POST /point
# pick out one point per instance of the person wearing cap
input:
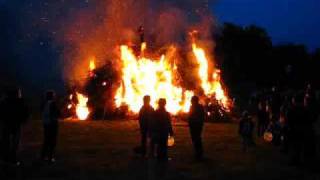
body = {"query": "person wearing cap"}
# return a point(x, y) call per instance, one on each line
point(196, 121)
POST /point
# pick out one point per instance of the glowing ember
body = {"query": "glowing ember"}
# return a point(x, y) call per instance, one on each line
point(82, 109)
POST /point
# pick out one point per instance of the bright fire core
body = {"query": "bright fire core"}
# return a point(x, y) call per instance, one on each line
point(142, 76)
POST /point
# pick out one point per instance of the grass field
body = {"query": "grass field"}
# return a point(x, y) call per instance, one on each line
point(104, 150)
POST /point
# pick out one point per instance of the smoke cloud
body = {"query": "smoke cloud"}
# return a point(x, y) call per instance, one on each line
point(101, 27)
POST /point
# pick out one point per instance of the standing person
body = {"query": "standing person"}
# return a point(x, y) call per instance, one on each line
point(246, 127)
point(145, 117)
point(310, 134)
point(262, 115)
point(50, 114)
point(196, 120)
point(275, 102)
point(161, 129)
point(15, 113)
point(297, 118)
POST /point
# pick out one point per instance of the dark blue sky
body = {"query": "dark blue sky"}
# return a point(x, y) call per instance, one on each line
point(295, 21)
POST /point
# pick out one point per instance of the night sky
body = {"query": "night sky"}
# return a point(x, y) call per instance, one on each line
point(296, 21)
point(35, 60)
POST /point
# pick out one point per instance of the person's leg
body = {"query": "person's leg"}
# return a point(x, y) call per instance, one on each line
point(52, 140)
point(5, 144)
point(244, 143)
point(16, 134)
point(259, 129)
point(194, 139)
point(198, 142)
point(46, 136)
point(143, 142)
point(163, 149)
point(152, 147)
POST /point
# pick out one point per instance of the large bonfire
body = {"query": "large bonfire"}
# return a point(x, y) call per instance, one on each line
point(157, 77)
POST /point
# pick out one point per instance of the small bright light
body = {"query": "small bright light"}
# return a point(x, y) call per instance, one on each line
point(104, 84)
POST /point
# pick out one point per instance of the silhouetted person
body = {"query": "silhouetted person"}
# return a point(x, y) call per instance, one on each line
point(196, 120)
point(145, 117)
point(262, 115)
point(283, 121)
point(310, 134)
point(275, 102)
point(14, 114)
point(246, 127)
point(297, 122)
point(160, 130)
point(50, 115)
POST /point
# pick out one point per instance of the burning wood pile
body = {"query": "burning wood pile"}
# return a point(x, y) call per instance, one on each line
point(145, 73)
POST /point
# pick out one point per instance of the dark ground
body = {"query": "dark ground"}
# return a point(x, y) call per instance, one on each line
point(104, 150)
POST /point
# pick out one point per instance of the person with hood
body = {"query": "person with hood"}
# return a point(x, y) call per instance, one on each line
point(161, 129)
point(50, 115)
point(196, 121)
point(14, 114)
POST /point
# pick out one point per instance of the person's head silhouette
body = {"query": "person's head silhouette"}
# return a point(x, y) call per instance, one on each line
point(50, 95)
point(162, 103)
point(195, 100)
point(146, 100)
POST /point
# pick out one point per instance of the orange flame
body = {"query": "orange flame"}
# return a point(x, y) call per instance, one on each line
point(92, 65)
point(82, 109)
point(142, 76)
point(214, 86)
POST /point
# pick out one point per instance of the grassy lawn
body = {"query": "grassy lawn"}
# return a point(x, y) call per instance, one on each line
point(104, 150)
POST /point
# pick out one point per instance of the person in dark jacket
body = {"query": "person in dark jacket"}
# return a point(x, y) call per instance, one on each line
point(145, 117)
point(298, 128)
point(246, 127)
point(51, 114)
point(14, 114)
point(196, 121)
point(161, 129)
point(310, 135)
point(262, 116)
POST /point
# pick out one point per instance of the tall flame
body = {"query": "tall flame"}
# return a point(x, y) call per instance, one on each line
point(82, 109)
point(213, 86)
point(142, 76)
point(92, 65)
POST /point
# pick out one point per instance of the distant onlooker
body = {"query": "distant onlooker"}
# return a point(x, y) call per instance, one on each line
point(160, 130)
point(51, 114)
point(145, 118)
point(246, 127)
point(14, 114)
point(298, 128)
point(196, 121)
point(262, 116)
